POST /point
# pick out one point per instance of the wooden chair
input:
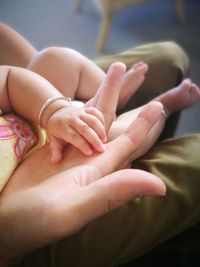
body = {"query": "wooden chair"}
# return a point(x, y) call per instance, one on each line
point(109, 9)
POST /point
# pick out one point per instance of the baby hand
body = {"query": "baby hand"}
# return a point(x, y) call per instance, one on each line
point(81, 127)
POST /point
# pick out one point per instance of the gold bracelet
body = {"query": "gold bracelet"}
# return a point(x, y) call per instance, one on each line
point(48, 102)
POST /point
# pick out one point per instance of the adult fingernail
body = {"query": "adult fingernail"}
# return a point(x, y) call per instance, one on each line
point(117, 68)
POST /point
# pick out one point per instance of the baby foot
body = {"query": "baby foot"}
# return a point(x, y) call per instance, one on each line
point(183, 96)
point(132, 81)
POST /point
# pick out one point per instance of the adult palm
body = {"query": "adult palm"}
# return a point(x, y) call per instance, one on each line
point(44, 203)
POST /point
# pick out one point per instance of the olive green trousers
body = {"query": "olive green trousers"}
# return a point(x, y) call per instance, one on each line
point(142, 224)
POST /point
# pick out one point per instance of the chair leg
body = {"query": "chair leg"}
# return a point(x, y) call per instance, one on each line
point(181, 10)
point(78, 5)
point(105, 27)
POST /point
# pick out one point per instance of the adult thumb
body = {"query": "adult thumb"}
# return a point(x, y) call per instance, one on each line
point(112, 191)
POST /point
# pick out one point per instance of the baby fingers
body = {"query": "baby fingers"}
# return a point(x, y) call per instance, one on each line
point(97, 113)
point(88, 130)
point(95, 120)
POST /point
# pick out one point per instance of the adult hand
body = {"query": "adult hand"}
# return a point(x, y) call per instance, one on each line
point(84, 127)
point(44, 209)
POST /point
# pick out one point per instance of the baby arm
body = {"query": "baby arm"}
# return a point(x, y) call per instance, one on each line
point(26, 92)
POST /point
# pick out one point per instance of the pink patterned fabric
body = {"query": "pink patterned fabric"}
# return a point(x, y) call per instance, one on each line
point(17, 128)
point(16, 140)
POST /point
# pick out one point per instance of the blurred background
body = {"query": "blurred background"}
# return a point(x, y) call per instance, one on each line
point(49, 22)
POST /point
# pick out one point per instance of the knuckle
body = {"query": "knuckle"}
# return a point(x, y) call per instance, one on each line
point(73, 135)
point(85, 128)
point(59, 122)
point(95, 112)
point(70, 119)
point(90, 109)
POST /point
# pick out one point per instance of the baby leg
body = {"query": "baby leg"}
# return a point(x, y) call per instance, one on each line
point(70, 72)
point(132, 82)
point(15, 50)
point(183, 96)
point(78, 77)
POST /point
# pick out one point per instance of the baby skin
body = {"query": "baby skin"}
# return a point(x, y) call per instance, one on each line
point(77, 77)
point(71, 183)
point(132, 82)
point(185, 95)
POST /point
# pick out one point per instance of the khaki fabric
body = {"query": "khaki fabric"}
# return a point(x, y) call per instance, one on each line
point(168, 65)
point(144, 223)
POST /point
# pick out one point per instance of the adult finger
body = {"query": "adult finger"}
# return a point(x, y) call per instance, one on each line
point(124, 146)
point(107, 96)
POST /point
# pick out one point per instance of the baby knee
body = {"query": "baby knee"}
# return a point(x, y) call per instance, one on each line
point(55, 56)
point(45, 56)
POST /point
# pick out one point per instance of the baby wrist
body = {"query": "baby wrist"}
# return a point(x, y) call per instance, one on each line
point(51, 106)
